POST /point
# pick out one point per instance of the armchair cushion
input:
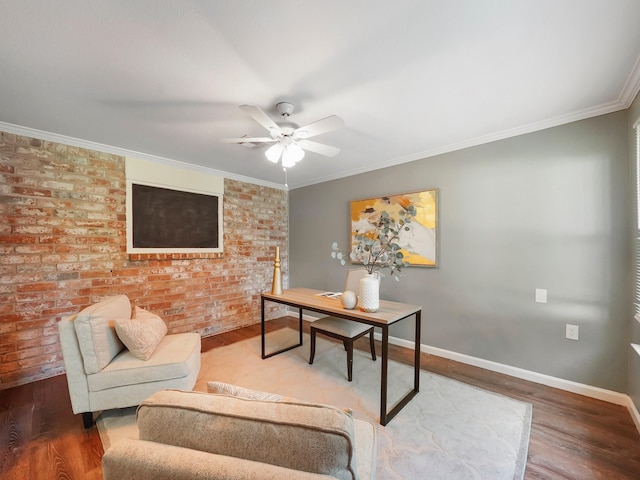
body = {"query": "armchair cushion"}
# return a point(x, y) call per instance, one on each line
point(96, 332)
point(177, 356)
point(141, 334)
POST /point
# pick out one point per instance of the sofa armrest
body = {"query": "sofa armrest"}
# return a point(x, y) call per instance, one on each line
point(366, 443)
point(142, 460)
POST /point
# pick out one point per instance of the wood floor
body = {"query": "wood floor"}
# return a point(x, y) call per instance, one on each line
point(572, 437)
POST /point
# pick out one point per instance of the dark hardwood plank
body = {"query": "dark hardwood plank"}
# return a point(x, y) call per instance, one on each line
point(572, 436)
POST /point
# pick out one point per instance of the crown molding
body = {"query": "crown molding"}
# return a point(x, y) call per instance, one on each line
point(100, 147)
point(631, 86)
point(625, 99)
point(621, 104)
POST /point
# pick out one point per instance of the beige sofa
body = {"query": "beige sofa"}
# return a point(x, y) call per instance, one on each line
point(103, 374)
point(193, 435)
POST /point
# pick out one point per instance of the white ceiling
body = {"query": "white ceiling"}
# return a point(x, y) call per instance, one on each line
point(410, 78)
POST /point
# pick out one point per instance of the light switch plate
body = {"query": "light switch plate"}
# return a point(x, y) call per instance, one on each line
point(541, 295)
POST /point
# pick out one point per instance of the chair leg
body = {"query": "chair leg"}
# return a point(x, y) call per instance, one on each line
point(350, 360)
point(87, 419)
point(373, 346)
point(313, 346)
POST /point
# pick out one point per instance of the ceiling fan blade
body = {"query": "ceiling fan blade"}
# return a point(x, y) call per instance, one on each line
point(324, 125)
point(259, 116)
point(321, 148)
point(247, 140)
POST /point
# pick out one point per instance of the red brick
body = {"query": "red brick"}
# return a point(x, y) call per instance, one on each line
point(18, 220)
point(31, 192)
point(34, 249)
point(38, 341)
point(59, 258)
point(26, 297)
point(68, 248)
point(34, 306)
point(68, 267)
point(36, 324)
point(55, 239)
point(37, 287)
point(17, 239)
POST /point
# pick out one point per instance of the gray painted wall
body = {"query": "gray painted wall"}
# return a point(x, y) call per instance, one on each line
point(543, 210)
point(634, 325)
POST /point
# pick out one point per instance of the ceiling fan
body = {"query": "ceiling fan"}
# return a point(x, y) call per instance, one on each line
point(289, 140)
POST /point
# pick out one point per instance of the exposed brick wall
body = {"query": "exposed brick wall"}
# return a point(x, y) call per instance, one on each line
point(63, 247)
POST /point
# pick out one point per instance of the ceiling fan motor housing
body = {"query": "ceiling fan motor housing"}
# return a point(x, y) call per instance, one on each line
point(284, 108)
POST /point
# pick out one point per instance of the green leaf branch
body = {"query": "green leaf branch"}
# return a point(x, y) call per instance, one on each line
point(377, 248)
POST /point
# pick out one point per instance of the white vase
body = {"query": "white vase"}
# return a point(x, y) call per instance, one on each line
point(369, 299)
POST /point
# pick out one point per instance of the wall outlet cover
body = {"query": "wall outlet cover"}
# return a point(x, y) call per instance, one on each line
point(572, 332)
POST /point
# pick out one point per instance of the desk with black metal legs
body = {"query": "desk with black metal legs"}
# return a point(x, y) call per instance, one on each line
point(388, 314)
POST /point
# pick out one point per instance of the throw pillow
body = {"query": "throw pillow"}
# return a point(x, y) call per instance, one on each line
point(141, 334)
point(235, 391)
point(220, 388)
point(96, 333)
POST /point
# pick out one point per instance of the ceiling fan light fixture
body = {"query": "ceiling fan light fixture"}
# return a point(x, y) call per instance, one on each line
point(290, 139)
point(273, 152)
point(287, 163)
point(292, 155)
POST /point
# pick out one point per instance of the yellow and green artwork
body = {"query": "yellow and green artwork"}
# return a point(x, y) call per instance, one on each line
point(419, 240)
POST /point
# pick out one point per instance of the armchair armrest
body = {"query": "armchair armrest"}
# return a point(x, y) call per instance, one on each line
point(74, 365)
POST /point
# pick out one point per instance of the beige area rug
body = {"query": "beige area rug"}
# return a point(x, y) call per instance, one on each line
point(449, 431)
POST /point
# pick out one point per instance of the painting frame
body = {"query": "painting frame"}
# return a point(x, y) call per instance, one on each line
point(169, 179)
point(419, 244)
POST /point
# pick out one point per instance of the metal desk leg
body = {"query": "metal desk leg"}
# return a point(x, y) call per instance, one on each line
point(300, 325)
point(385, 417)
point(262, 326)
point(416, 368)
point(263, 334)
point(383, 380)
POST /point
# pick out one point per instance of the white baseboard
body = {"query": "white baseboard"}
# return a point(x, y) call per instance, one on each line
point(555, 382)
point(610, 396)
point(635, 415)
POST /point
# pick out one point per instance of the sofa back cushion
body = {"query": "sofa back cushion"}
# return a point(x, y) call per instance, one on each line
point(300, 436)
point(96, 332)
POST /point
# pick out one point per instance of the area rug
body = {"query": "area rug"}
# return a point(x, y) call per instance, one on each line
point(448, 431)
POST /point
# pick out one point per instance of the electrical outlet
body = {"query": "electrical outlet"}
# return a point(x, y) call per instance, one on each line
point(572, 332)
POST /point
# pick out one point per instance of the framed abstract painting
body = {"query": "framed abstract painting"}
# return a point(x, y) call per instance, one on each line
point(419, 241)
